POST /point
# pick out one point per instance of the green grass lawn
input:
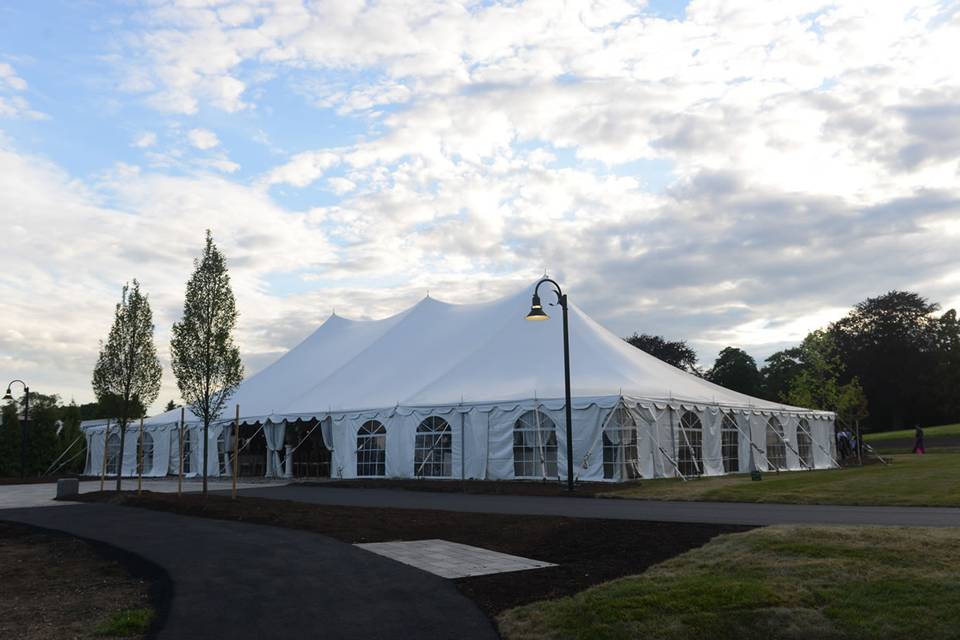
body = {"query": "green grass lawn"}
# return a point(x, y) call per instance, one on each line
point(928, 432)
point(930, 480)
point(775, 582)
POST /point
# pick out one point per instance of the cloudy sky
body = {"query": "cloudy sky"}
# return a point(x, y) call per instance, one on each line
point(731, 172)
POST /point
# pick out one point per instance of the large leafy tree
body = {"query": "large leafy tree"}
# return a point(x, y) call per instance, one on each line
point(673, 352)
point(889, 343)
point(737, 370)
point(779, 371)
point(206, 362)
point(127, 375)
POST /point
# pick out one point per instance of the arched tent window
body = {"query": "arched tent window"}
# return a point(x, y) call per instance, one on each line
point(690, 442)
point(433, 449)
point(730, 443)
point(534, 446)
point(776, 449)
point(620, 446)
point(804, 443)
point(371, 450)
point(146, 453)
point(113, 453)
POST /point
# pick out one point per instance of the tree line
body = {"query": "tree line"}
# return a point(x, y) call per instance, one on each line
point(126, 378)
point(892, 362)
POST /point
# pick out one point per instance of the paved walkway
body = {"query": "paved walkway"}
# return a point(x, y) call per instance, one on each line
point(239, 580)
point(42, 494)
point(620, 509)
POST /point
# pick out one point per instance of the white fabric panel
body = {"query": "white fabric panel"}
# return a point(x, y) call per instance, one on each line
point(401, 438)
point(195, 434)
point(161, 450)
point(343, 460)
point(175, 450)
point(130, 450)
point(95, 444)
point(821, 431)
point(475, 444)
point(588, 450)
point(326, 432)
point(274, 433)
point(711, 417)
point(744, 440)
point(586, 428)
point(213, 457)
point(790, 435)
point(647, 427)
point(500, 448)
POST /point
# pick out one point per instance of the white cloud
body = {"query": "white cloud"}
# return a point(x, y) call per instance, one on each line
point(145, 139)
point(809, 155)
point(302, 169)
point(203, 139)
point(12, 104)
point(9, 78)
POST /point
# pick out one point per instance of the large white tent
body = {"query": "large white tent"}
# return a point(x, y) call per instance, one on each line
point(476, 391)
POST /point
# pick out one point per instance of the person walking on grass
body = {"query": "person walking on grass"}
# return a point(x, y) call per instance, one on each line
point(918, 440)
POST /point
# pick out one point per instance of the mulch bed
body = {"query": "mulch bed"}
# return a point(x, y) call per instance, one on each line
point(506, 487)
point(588, 551)
point(56, 586)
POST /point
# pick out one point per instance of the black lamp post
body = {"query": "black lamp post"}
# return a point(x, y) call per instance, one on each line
point(537, 313)
point(23, 425)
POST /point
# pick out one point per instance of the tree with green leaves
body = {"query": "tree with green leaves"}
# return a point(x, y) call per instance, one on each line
point(127, 375)
point(206, 362)
point(673, 352)
point(890, 344)
point(737, 370)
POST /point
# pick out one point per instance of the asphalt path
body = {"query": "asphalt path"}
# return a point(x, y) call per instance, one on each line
point(239, 580)
point(620, 509)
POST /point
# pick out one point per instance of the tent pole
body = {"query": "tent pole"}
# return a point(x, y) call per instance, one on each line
point(140, 460)
point(236, 451)
point(180, 466)
point(103, 471)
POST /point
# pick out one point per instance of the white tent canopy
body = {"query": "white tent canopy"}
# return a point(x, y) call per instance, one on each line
point(480, 369)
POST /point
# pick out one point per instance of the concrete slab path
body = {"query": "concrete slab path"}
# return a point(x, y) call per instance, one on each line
point(239, 580)
point(621, 509)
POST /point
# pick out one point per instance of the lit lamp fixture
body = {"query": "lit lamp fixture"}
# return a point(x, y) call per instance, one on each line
point(23, 426)
point(537, 313)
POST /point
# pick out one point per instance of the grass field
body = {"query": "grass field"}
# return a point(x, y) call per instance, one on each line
point(776, 582)
point(930, 480)
point(928, 433)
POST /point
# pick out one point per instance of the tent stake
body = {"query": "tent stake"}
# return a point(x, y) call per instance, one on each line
point(236, 451)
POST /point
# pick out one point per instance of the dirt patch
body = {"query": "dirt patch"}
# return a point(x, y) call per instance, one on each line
point(587, 551)
point(57, 586)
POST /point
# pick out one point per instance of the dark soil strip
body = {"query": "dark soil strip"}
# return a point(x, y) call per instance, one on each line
point(588, 551)
point(495, 487)
point(73, 581)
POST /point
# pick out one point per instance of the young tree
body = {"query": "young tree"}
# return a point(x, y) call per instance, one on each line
point(737, 370)
point(205, 361)
point(127, 375)
point(675, 353)
point(171, 406)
